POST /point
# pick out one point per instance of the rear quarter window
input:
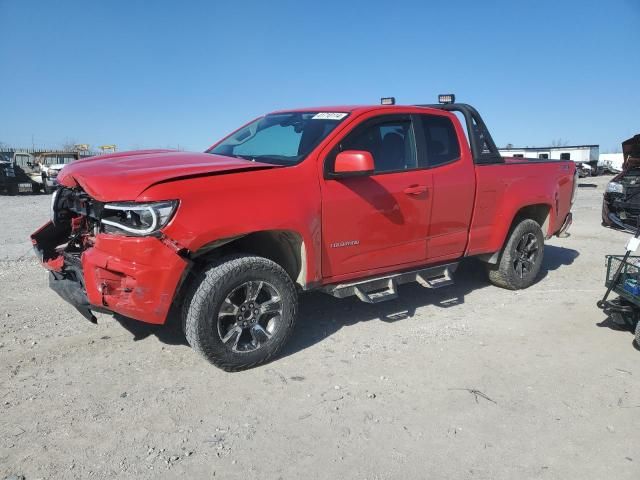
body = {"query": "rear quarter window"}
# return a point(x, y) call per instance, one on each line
point(441, 141)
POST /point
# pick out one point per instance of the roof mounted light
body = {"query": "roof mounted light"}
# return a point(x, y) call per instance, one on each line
point(447, 98)
point(388, 101)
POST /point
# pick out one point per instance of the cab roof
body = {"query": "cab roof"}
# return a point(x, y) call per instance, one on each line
point(356, 108)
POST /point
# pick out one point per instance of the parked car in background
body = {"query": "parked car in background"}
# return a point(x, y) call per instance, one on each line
point(621, 201)
point(584, 169)
point(50, 164)
point(8, 183)
point(42, 169)
point(610, 163)
point(24, 165)
point(13, 178)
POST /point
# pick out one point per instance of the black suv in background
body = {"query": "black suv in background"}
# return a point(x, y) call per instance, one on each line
point(8, 180)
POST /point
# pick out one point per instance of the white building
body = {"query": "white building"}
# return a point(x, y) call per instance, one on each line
point(578, 153)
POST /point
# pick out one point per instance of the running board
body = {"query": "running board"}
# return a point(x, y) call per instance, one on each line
point(379, 289)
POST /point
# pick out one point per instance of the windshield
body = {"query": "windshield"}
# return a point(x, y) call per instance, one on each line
point(280, 138)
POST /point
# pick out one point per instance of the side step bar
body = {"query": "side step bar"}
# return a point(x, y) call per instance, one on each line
point(379, 289)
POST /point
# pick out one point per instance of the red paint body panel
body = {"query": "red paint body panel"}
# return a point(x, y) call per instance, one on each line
point(225, 206)
point(389, 225)
point(136, 277)
point(503, 189)
point(350, 228)
point(124, 176)
point(354, 161)
point(451, 206)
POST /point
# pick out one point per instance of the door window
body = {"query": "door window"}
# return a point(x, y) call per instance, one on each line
point(390, 141)
point(441, 141)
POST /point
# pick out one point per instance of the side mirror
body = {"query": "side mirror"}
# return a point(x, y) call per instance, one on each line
point(353, 163)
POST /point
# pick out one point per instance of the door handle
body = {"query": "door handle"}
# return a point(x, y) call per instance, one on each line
point(415, 189)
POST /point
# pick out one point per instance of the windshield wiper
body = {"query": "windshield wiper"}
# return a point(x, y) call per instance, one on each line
point(246, 157)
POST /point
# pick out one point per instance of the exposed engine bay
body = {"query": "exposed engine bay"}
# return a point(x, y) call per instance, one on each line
point(621, 203)
point(74, 221)
point(77, 219)
point(624, 202)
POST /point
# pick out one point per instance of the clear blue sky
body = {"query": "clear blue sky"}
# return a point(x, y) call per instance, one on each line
point(184, 73)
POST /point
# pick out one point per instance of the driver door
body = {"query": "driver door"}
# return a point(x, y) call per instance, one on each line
point(379, 221)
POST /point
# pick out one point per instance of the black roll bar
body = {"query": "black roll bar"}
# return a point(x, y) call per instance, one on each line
point(483, 148)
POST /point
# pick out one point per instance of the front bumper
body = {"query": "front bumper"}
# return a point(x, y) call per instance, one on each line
point(133, 276)
point(615, 215)
point(69, 284)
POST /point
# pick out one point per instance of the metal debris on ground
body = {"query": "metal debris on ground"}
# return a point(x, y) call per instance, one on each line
point(476, 394)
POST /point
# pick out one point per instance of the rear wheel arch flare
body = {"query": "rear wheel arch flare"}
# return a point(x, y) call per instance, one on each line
point(539, 213)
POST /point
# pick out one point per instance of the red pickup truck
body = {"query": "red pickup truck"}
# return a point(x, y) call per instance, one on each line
point(350, 200)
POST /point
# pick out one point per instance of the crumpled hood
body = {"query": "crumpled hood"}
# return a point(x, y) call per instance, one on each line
point(631, 152)
point(125, 175)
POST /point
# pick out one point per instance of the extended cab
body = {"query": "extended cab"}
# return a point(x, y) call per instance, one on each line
point(347, 200)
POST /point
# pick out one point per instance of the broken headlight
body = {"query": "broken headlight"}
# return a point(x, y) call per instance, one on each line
point(137, 218)
point(615, 187)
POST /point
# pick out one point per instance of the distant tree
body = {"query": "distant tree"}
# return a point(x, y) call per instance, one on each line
point(559, 142)
point(509, 145)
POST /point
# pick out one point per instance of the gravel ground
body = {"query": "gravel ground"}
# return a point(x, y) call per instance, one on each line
point(468, 381)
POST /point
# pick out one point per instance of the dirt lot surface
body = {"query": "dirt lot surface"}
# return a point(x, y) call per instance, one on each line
point(362, 391)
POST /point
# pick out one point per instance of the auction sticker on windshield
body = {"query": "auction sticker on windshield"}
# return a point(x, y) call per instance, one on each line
point(329, 116)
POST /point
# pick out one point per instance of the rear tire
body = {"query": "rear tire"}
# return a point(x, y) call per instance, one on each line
point(242, 312)
point(638, 334)
point(521, 257)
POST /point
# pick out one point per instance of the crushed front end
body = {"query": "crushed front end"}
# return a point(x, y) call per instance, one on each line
point(621, 205)
point(111, 257)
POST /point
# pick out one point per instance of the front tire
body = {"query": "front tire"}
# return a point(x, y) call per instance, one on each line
point(242, 312)
point(521, 258)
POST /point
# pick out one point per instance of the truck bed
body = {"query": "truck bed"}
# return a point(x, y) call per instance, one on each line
point(503, 189)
